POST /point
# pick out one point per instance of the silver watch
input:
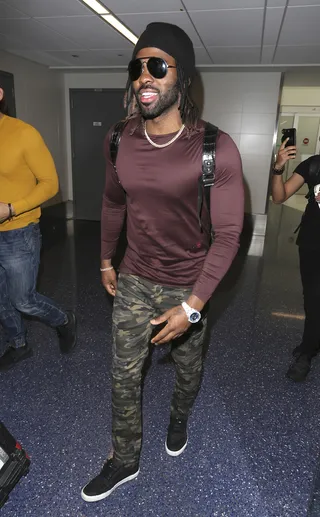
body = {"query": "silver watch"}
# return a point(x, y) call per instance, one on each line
point(193, 315)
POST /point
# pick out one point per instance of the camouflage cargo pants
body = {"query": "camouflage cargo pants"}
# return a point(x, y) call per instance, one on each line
point(138, 301)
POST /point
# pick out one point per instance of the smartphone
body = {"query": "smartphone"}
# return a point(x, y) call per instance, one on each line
point(291, 134)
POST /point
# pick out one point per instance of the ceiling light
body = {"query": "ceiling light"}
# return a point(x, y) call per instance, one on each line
point(96, 6)
point(112, 20)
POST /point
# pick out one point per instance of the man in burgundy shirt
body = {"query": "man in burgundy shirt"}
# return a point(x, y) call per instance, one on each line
point(169, 271)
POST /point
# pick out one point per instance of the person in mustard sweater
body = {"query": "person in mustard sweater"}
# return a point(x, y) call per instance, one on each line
point(28, 178)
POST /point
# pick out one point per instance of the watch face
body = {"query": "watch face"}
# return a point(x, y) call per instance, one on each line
point(194, 317)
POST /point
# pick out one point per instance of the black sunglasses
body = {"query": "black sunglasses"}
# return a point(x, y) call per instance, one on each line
point(156, 66)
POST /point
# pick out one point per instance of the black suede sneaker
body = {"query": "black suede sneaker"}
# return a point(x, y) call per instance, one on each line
point(110, 478)
point(296, 351)
point(300, 368)
point(177, 437)
point(13, 355)
point(67, 334)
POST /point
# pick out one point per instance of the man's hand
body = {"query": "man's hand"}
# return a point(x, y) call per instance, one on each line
point(177, 325)
point(4, 212)
point(285, 154)
point(109, 281)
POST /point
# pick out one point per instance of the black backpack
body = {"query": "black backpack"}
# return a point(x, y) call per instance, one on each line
point(207, 178)
point(14, 463)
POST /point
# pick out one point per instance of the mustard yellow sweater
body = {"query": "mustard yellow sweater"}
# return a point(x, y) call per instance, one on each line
point(28, 175)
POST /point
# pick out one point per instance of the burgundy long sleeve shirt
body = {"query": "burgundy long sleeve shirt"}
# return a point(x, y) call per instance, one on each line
point(157, 190)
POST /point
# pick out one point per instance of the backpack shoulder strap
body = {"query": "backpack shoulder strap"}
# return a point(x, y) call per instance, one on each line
point(115, 140)
point(206, 181)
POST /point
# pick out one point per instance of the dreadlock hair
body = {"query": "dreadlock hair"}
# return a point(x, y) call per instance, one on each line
point(188, 110)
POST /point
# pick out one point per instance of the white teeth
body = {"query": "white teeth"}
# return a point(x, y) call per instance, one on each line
point(148, 94)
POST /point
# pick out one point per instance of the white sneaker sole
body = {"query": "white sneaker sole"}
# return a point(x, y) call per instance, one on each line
point(96, 498)
point(175, 453)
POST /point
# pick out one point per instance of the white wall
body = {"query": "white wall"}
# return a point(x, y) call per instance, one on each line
point(244, 104)
point(301, 89)
point(40, 102)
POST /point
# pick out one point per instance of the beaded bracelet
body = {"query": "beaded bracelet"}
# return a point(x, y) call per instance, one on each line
point(106, 269)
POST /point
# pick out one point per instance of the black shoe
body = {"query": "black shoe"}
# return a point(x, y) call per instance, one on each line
point(68, 334)
point(300, 368)
point(110, 477)
point(297, 351)
point(177, 437)
point(13, 355)
point(300, 349)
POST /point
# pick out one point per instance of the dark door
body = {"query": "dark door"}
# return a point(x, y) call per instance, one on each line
point(93, 112)
point(7, 84)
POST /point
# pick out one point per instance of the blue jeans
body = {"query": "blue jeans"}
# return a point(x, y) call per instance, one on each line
point(19, 265)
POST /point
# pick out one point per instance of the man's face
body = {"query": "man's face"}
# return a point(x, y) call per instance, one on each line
point(1, 94)
point(156, 96)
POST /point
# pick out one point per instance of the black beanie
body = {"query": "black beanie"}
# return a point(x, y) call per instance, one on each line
point(172, 40)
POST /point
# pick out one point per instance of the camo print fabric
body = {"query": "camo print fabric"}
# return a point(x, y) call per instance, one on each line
point(137, 301)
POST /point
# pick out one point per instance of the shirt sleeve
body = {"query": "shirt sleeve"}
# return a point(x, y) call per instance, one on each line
point(41, 164)
point(303, 169)
point(227, 212)
point(113, 208)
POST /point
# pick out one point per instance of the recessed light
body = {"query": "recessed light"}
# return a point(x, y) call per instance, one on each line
point(108, 17)
point(112, 20)
point(96, 6)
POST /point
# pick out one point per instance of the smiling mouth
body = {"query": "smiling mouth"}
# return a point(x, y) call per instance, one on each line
point(148, 97)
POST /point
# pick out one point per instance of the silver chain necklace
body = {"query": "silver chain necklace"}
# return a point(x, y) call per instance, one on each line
point(163, 145)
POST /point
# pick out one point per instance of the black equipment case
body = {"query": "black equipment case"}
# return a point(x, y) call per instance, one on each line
point(14, 463)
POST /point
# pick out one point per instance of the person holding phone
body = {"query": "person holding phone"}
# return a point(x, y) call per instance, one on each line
point(308, 242)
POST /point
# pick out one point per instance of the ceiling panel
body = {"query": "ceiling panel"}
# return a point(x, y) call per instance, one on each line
point(50, 7)
point(229, 28)
point(202, 57)
point(89, 32)
point(235, 55)
point(8, 12)
point(209, 5)
point(297, 54)
point(39, 57)
point(34, 35)
point(142, 6)
point(276, 3)
point(94, 57)
point(10, 43)
point(267, 54)
point(272, 26)
point(138, 22)
point(301, 26)
point(304, 2)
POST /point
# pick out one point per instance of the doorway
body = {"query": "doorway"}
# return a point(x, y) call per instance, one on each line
point(92, 112)
point(7, 84)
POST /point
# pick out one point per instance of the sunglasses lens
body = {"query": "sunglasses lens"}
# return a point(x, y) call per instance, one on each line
point(157, 67)
point(135, 69)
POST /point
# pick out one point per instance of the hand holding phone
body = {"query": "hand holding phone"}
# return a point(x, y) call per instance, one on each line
point(288, 148)
point(289, 136)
